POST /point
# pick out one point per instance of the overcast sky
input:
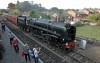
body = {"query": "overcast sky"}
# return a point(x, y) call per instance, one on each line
point(61, 4)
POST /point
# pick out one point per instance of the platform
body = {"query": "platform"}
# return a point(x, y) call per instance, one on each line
point(90, 51)
point(9, 56)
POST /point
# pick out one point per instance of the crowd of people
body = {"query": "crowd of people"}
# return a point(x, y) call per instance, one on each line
point(31, 53)
point(28, 53)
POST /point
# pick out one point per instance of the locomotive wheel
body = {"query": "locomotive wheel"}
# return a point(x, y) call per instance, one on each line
point(25, 28)
point(28, 29)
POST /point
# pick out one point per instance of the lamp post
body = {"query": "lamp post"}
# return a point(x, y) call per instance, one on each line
point(40, 7)
point(40, 10)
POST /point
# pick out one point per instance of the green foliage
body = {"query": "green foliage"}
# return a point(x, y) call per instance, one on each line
point(24, 6)
point(3, 11)
point(78, 24)
point(54, 9)
point(37, 15)
point(11, 6)
point(45, 16)
point(98, 17)
point(33, 14)
point(94, 17)
point(16, 12)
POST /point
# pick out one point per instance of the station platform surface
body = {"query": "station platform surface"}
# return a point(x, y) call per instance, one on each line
point(10, 56)
point(91, 51)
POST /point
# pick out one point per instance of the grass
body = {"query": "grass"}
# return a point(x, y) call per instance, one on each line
point(89, 32)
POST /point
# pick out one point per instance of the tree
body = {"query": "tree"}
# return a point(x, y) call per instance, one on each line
point(92, 17)
point(15, 12)
point(3, 10)
point(54, 9)
point(98, 17)
point(36, 7)
point(17, 5)
point(27, 6)
point(11, 6)
point(45, 16)
point(24, 6)
point(33, 14)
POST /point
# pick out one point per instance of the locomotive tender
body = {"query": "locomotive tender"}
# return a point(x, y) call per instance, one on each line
point(56, 33)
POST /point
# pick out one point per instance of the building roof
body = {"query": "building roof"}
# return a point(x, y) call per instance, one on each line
point(66, 14)
point(89, 10)
point(79, 12)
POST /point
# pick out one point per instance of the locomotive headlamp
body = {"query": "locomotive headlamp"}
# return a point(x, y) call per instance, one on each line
point(63, 39)
point(66, 43)
point(74, 40)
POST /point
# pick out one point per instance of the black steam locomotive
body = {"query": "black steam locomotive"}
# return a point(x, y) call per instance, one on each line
point(55, 33)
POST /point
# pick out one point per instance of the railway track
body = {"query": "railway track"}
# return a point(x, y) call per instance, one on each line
point(49, 53)
point(82, 58)
point(90, 41)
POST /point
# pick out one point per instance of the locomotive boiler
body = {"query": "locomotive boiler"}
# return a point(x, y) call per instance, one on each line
point(55, 33)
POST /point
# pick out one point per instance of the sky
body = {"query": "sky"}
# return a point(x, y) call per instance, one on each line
point(61, 4)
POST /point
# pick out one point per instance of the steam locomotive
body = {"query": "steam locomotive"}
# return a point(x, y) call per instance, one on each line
point(56, 33)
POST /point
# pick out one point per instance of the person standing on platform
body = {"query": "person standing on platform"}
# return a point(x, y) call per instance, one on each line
point(11, 37)
point(36, 52)
point(2, 26)
point(26, 52)
point(15, 45)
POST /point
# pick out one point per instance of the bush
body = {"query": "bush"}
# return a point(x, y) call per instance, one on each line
point(77, 24)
